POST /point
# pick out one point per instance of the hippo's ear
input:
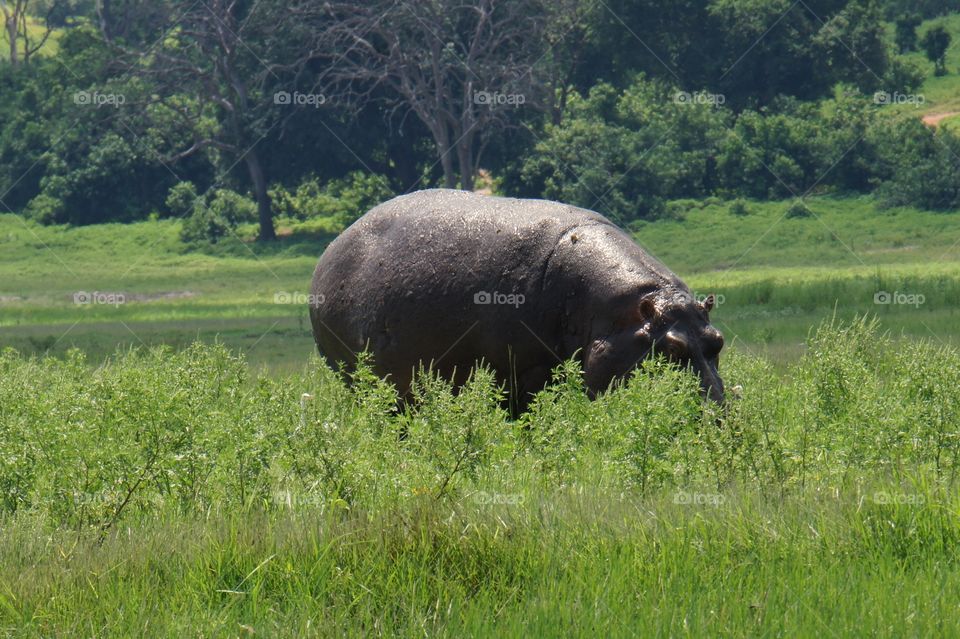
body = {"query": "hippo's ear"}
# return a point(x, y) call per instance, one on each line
point(708, 303)
point(647, 308)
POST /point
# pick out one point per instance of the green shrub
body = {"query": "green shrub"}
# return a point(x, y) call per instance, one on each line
point(919, 165)
point(623, 154)
point(342, 201)
point(796, 210)
point(45, 209)
point(234, 208)
point(739, 208)
point(182, 199)
point(212, 216)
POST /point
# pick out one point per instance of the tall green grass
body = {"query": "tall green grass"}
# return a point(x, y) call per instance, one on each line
point(165, 493)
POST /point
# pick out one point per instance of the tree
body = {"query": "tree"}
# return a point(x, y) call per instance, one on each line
point(227, 70)
point(462, 67)
point(567, 33)
point(854, 45)
point(16, 22)
point(906, 37)
point(750, 51)
point(935, 43)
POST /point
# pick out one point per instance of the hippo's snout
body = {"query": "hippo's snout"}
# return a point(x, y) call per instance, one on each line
point(711, 386)
point(713, 390)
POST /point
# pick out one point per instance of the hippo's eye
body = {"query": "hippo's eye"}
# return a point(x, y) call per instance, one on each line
point(674, 347)
point(712, 344)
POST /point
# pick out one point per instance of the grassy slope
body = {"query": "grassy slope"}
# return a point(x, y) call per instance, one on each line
point(780, 276)
point(182, 294)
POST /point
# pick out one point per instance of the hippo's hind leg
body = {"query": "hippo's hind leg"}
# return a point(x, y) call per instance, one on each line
point(525, 385)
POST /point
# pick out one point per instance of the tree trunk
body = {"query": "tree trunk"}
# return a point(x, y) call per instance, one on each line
point(10, 24)
point(103, 15)
point(465, 160)
point(441, 138)
point(264, 208)
point(446, 161)
point(403, 167)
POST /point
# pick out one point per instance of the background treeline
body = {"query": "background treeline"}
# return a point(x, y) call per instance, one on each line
point(227, 113)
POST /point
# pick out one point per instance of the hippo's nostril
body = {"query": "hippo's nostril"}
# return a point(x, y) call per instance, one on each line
point(711, 385)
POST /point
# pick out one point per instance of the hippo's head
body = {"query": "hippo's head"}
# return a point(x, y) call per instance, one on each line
point(670, 322)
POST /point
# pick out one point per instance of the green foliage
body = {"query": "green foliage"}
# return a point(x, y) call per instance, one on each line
point(920, 166)
point(182, 199)
point(45, 209)
point(621, 154)
point(341, 200)
point(760, 125)
point(159, 429)
point(935, 43)
point(797, 209)
point(906, 35)
point(702, 44)
point(213, 216)
point(67, 154)
point(925, 8)
point(853, 45)
point(739, 208)
point(904, 75)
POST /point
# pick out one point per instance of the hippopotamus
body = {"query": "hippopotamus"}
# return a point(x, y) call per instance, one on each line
point(446, 280)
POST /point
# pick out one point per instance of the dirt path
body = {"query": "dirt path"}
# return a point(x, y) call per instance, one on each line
point(934, 119)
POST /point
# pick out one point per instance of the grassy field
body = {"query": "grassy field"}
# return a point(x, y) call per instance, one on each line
point(170, 493)
point(139, 285)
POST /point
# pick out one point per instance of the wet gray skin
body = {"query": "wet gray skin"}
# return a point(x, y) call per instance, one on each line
point(448, 279)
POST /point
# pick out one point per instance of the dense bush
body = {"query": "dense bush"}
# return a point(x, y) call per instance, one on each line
point(68, 153)
point(627, 139)
point(212, 216)
point(625, 153)
point(192, 431)
point(342, 200)
point(622, 154)
point(917, 166)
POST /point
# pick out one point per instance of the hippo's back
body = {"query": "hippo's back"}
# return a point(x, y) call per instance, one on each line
point(451, 277)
